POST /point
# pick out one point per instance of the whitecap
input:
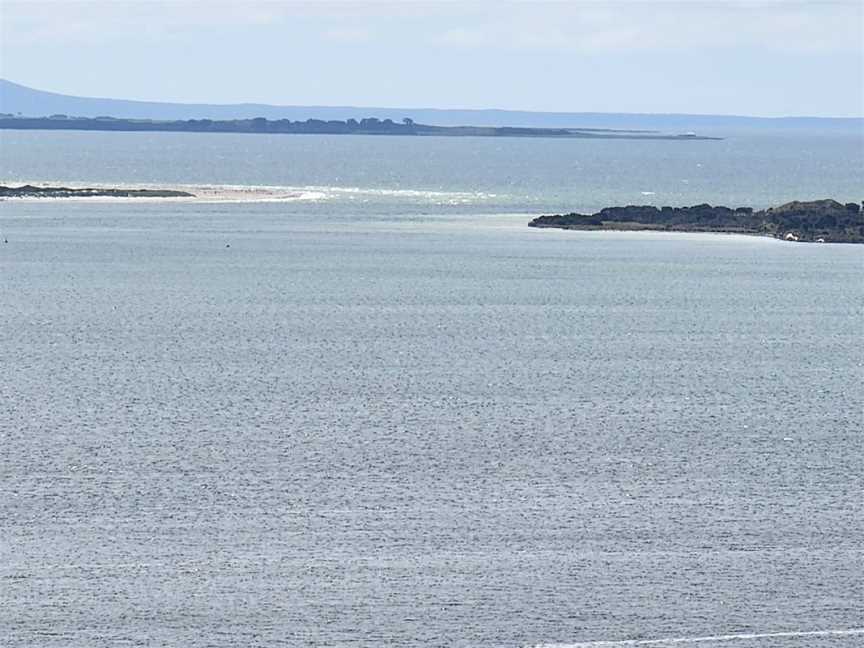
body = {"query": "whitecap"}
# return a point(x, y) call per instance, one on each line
point(671, 641)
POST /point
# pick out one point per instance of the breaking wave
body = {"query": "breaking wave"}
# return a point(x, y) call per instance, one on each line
point(229, 193)
point(672, 641)
point(315, 193)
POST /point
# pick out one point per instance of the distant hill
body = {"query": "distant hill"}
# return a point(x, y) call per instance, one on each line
point(18, 99)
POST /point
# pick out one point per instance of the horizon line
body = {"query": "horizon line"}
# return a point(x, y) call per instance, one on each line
point(437, 109)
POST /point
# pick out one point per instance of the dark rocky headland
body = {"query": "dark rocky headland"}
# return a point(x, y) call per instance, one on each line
point(30, 191)
point(823, 221)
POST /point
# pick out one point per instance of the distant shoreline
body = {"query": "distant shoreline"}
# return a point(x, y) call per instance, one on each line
point(368, 126)
point(32, 191)
point(18, 100)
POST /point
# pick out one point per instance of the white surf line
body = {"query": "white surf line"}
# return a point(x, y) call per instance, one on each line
point(715, 638)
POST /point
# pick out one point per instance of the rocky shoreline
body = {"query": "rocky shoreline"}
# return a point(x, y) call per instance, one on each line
point(30, 191)
point(818, 221)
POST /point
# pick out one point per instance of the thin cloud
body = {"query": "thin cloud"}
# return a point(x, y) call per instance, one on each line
point(447, 53)
point(638, 26)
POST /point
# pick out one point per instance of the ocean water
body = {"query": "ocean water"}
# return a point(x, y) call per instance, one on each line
point(468, 175)
point(365, 405)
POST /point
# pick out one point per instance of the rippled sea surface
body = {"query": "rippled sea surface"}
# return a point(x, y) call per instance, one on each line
point(403, 420)
point(472, 174)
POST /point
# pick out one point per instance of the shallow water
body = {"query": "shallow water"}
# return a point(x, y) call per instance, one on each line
point(368, 174)
point(424, 426)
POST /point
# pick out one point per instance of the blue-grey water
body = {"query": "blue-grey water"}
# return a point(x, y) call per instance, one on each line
point(477, 175)
point(386, 413)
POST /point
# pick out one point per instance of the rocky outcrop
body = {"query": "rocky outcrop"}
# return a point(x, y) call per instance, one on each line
point(30, 191)
point(817, 221)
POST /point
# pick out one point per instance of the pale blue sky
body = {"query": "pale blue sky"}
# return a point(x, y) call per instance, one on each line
point(722, 57)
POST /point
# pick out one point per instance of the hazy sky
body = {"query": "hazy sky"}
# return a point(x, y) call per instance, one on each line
point(756, 58)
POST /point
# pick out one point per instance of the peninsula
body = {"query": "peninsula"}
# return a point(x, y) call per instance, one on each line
point(29, 191)
point(820, 221)
point(368, 126)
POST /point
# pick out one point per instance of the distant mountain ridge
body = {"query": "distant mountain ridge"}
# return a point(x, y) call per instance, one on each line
point(19, 99)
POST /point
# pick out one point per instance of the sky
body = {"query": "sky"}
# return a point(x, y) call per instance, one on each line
point(766, 58)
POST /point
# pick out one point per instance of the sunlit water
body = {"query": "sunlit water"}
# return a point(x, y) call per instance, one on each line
point(489, 175)
point(385, 417)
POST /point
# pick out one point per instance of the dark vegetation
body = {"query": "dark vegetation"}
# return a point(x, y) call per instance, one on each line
point(29, 191)
point(820, 220)
point(368, 126)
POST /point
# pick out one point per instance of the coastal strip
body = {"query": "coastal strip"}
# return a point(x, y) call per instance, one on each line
point(817, 221)
point(31, 191)
point(367, 126)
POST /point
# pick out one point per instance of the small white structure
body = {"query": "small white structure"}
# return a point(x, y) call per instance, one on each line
point(791, 236)
point(820, 240)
